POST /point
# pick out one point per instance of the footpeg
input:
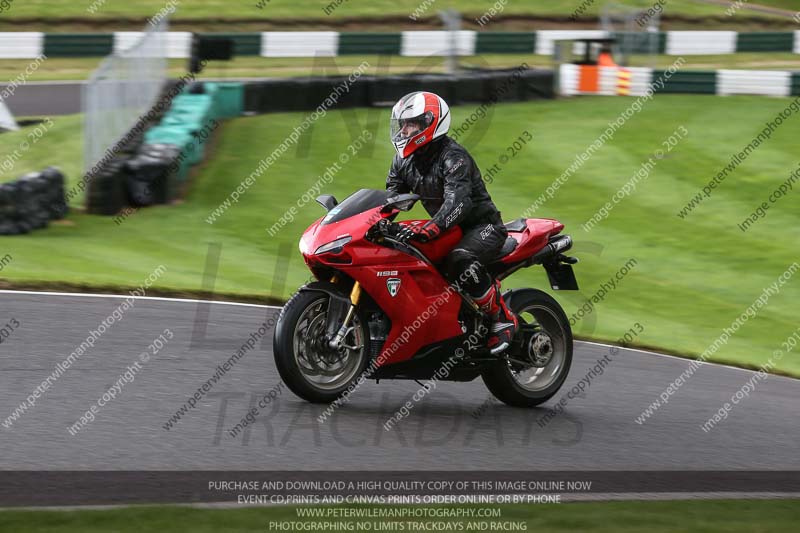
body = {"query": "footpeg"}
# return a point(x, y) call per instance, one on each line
point(499, 348)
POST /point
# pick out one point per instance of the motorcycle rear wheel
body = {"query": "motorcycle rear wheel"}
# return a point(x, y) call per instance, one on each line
point(539, 369)
point(311, 369)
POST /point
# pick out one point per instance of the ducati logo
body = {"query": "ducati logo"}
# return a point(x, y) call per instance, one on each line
point(393, 285)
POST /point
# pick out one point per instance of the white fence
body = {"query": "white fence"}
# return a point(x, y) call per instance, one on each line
point(121, 90)
point(426, 43)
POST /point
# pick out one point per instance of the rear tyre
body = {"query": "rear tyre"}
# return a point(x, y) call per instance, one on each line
point(309, 367)
point(534, 370)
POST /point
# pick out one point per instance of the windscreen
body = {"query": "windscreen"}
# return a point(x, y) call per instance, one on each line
point(356, 203)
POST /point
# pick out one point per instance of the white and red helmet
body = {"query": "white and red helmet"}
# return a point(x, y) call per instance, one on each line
point(417, 119)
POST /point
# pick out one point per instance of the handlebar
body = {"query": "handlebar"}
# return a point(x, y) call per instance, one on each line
point(383, 228)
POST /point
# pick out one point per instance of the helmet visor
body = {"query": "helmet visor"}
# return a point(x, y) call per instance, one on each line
point(404, 128)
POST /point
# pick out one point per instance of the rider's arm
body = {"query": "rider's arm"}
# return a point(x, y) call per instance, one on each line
point(394, 182)
point(457, 191)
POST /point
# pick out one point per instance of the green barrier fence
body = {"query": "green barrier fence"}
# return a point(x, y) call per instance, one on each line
point(795, 84)
point(244, 44)
point(687, 82)
point(765, 42)
point(78, 44)
point(370, 43)
point(505, 42)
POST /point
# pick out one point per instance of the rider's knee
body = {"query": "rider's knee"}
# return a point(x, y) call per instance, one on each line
point(463, 268)
point(458, 261)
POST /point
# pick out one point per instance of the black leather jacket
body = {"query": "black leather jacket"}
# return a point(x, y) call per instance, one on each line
point(449, 182)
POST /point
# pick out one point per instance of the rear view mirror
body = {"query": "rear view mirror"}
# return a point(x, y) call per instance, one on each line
point(403, 202)
point(328, 201)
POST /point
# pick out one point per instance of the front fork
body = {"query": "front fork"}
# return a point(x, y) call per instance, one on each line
point(337, 342)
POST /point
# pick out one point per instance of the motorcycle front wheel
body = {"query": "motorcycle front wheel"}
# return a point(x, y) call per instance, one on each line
point(533, 371)
point(310, 368)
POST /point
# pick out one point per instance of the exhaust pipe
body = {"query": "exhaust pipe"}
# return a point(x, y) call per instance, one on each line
point(557, 245)
point(553, 249)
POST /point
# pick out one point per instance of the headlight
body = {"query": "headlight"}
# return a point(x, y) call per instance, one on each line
point(333, 245)
point(303, 245)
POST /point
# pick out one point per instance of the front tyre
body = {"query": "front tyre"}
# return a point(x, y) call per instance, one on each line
point(308, 366)
point(536, 365)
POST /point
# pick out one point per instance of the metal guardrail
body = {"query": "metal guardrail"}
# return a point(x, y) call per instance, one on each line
point(407, 43)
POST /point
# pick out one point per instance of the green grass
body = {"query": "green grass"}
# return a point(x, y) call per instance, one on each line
point(65, 134)
point(315, 8)
point(58, 16)
point(789, 5)
point(693, 277)
point(711, 516)
point(57, 68)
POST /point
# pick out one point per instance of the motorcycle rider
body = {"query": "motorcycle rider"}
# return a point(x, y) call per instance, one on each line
point(434, 166)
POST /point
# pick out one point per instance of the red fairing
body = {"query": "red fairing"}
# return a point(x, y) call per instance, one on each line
point(533, 238)
point(420, 303)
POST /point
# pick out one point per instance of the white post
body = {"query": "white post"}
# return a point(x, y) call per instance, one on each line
point(452, 23)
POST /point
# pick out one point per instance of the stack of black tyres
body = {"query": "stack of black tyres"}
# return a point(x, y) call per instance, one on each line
point(136, 174)
point(150, 177)
point(32, 201)
point(57, 201)
point(107, 193)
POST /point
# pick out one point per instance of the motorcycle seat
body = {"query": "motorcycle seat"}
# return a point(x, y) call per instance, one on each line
point(508, 247)
point(516, 226)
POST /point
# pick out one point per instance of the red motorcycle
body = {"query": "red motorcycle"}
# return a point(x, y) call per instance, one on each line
point(381, 309)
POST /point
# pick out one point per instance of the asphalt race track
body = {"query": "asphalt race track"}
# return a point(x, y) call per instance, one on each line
point(445, 431)
point(39, 99)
